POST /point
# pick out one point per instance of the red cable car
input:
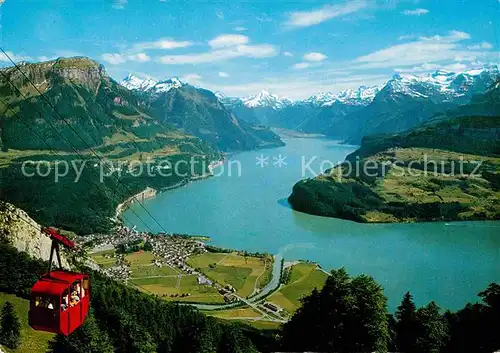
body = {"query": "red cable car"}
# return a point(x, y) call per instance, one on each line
point(60, 299)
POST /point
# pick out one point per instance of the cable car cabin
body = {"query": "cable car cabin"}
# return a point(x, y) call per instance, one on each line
point(59, 302)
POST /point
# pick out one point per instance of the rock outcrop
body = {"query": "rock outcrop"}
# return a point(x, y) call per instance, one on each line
point(22, 232)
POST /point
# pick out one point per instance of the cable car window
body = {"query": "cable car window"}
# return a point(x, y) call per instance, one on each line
point(75, 293)
point(45, 302)
point(85, 287)
point(65, 300)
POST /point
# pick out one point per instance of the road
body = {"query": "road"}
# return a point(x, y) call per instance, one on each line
point(251, 302)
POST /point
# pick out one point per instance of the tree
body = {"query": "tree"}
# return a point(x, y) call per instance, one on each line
point(475, 328)
point(148, 246)
point(406, 325)
point(233, 341)
point(432, 329)
point(89, 338)
point(10, 330)
point(347, 315)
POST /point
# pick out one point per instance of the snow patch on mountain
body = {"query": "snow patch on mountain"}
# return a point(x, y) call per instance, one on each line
point(442, 85)
point(362, 96)
point(133, 82)
point(266, 99)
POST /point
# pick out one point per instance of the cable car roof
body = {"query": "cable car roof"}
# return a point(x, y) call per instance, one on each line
point(66, 276)
point(48, 286)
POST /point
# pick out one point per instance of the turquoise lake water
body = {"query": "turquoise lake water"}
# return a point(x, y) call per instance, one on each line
point(445, 262)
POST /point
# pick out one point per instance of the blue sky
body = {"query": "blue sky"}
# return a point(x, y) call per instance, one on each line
point(292, 48)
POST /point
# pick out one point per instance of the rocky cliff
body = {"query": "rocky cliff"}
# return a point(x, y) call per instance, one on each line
point(22, 232)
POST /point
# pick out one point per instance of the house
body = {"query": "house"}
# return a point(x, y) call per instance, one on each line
point(203, 281)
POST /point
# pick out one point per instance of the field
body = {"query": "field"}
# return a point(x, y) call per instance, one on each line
point(182, 288)
point(304, 278)
point(31, 341)
point(167, 282)
point(237, 313)
point(244, 273)
point(101, 260)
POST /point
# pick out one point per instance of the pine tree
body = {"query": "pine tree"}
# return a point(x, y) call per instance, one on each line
point(347, 315)
point(432, 329)
point(89, 338)
point(10, 330)
point(406, 325)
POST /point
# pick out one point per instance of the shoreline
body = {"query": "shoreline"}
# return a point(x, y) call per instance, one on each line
point(402, 221)
point(149, 192)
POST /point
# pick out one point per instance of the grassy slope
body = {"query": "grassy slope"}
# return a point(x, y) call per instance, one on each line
point(31, 341)
point(240, 272)
point(303, 279)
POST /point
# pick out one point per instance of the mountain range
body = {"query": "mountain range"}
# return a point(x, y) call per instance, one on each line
point(199, 112)
point(402, 102)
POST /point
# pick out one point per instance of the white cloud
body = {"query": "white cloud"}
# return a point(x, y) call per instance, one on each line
point(427, 67)
point(453, 36)
point(228, 40)
point(406, 37)
point(314, 57)
point(300, 66)
point(140, 57)
point(43, 58)
point(164, 43)
point(193, 79)
point(483, 45)
point(250, 51)
point(1, 2)
point(416, 12)
point(15, 57)
point(240, 29)
point(114, 58)
point(287, 53)
point(423, 50)
point(223, 74)
point(296, 87)
point(119, 4)
point(314, 17)
point(117, 59)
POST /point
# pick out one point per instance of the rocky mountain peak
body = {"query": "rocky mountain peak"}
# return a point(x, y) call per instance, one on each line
point(80, 69)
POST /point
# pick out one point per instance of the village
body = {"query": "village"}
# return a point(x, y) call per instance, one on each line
point(221, 282)
point(170, 252)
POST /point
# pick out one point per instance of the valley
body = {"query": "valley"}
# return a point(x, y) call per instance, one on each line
point(249, 176)
point(163, 124)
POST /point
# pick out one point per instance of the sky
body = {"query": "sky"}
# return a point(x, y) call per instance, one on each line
point(240, 47)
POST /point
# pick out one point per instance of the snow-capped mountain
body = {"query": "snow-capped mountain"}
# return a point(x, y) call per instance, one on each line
point(360, 97)
point(229, 102)
point(267, 100)
point(133, 82)
point(442, 85)
point(149, 85)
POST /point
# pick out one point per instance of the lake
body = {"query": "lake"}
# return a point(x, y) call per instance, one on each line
point(245, 208)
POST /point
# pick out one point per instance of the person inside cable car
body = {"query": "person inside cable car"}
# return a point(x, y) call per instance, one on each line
point(65, 297)
point(75, 294)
